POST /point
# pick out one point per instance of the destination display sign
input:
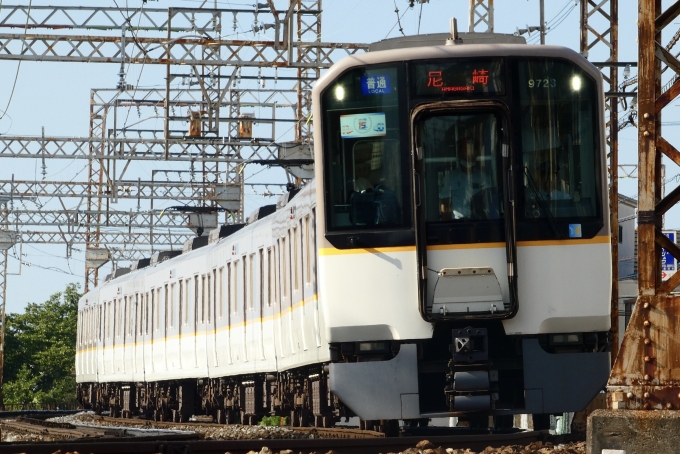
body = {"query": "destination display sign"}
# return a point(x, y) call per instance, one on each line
point(458, 78)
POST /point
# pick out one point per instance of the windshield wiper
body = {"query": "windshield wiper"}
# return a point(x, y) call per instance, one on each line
point(542, 203)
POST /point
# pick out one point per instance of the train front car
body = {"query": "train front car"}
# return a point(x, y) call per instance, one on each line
point(464, 247)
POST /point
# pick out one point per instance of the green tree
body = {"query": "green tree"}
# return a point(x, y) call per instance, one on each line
point(40, 351)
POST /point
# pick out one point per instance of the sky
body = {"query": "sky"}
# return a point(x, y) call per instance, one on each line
point(56, 96)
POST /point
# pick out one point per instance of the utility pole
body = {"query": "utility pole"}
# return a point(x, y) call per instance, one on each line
point(542, 14)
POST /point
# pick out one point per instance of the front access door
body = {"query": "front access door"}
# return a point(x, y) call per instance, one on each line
point(464, 182)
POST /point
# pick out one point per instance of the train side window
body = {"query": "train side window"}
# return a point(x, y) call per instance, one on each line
point(251, 281)
point(308, 249)
point(313, 246)
point(147, 311)
point(187, 285)
point(294, 247)
point(126, 315)
point(180, 302)
point(270, 277)
point(246, 290)
point(107, 320)
point(234, 288)
point(155, 309)
point(229, 288)
point(284, 266)
point(196, 301)
point(261, 280)
point(172, 305)
point(221, 293)
point(166, 308)
point(205, 318)
point(212, 314)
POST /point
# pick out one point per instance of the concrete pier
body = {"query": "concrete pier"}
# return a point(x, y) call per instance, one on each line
point(633, 432)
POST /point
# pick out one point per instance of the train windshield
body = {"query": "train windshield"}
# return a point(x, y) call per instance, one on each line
point(559, 143)
point(366, 169)
point(461, 155)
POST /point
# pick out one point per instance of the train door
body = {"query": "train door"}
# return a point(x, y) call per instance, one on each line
point(462, 167)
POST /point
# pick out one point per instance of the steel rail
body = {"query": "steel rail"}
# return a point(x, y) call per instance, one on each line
point(337, 445)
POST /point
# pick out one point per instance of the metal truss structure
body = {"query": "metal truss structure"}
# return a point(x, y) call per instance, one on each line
point(210, 72)
point(646, 372)
point(600, 36)
point(480, 14)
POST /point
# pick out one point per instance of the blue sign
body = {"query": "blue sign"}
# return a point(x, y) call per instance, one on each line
point(667, 260)
point(575, 231)
point(376, 84)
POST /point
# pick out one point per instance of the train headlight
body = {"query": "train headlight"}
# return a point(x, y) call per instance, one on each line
point(373, 347)
point(565, 339)
point(576, 83)
point(339, 93)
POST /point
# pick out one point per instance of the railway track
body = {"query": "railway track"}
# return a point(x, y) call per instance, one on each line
point(115, 435)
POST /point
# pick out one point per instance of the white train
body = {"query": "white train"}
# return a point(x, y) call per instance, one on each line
point(451, 258)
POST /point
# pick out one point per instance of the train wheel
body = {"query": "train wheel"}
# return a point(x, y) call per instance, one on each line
point(304, 417)
point(294, 418)
point(390, 427)
point(503, 421)
point(541, 421)
point(367, 424)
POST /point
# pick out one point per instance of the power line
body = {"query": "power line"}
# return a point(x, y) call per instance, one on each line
point(23, 45)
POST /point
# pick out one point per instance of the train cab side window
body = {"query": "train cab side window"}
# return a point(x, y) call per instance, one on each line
point(365, 159)
point(560, 175)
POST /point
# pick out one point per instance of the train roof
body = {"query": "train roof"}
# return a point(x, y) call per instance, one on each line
point(453, 51)
point(170, 258)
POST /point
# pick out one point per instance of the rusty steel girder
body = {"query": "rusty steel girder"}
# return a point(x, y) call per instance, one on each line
point(646, 374)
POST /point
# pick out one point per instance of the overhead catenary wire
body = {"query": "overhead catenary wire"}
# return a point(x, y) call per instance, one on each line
point(401, 29)
point(23, 45)
point(559, 18)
